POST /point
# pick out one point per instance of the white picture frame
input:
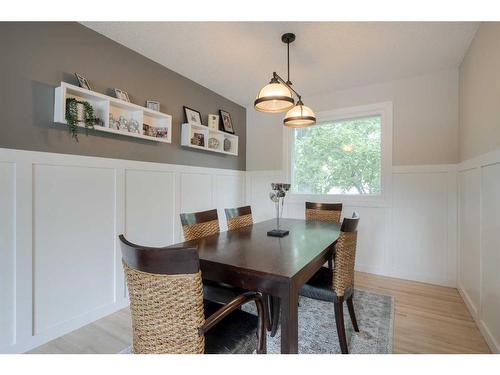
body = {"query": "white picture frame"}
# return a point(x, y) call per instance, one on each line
point(213, 122)
point(153, 104)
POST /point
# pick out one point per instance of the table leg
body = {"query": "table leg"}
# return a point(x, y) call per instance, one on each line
point(289, 322)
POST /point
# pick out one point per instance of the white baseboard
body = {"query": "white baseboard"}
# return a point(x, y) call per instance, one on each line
point(489, 338)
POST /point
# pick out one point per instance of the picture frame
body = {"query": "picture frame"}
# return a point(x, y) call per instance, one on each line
point(198, 139)
point(225, 119)
point(193, 117)
point(153, 104)
point(83, 82)
point(122, 95)
point(213, 122)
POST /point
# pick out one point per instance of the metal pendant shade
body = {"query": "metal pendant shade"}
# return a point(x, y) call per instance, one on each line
point(277, 96)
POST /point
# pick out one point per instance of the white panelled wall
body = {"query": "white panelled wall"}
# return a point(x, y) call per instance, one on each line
point(60, 216)
point(411, 236)
point(479, 242)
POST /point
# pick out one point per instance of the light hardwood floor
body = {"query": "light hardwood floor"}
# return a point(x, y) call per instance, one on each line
point(428, 319)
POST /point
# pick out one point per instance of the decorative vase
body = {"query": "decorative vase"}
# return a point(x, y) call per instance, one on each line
point(278, 194)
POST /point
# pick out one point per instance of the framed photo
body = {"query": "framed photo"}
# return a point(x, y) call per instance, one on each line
point(227, 124)
point(198, 139)
point(213, 122)
point(153, 104)
point(83, 82)
point(122, 95)
point(193, 117)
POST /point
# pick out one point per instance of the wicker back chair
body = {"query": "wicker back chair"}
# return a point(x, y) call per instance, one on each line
point(239, 217)
point(329, 212)
point(337, 286)
point(168, 312)
point(200, 224)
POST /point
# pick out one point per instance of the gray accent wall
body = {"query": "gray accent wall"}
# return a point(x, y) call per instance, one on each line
point(36, 57)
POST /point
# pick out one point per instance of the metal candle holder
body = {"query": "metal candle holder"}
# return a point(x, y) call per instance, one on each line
point(277, 195)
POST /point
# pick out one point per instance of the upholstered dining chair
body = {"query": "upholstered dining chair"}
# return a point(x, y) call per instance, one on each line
point(168, 311)
point(337, 286)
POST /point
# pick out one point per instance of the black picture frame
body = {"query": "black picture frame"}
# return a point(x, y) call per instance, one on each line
point(188, 115)
point(226, 122)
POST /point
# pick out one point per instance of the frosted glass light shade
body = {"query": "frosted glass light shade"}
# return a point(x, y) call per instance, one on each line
point(274, 98)
point(299, 116)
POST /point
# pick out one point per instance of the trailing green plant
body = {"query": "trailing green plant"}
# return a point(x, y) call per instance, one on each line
point(89, 118)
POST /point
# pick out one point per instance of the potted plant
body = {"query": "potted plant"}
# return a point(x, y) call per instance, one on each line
point(79, 112)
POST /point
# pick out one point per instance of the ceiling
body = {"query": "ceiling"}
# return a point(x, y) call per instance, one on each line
point(235, 59)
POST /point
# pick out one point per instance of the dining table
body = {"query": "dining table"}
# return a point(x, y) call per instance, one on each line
point(250, 259)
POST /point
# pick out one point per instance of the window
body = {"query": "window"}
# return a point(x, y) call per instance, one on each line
point(343, 154)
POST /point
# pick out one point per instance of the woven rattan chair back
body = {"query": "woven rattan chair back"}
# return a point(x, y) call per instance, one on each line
point(329, 212)
point(166, 298)
point(345, 255)
point(239, 217)
point(200, 224)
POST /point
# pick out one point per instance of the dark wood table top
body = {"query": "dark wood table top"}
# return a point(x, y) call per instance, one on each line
point(250, 248)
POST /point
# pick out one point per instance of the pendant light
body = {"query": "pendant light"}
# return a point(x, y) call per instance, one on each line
point(299, 116)
point(274, 97)
point(277, 96)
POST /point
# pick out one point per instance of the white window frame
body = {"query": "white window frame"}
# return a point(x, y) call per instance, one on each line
point(384, 110)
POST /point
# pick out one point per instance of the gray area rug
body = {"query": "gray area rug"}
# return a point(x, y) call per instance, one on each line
point(318, 333)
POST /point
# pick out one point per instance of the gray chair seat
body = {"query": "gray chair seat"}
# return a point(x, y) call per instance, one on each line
point(319, 286)
point(235, 334)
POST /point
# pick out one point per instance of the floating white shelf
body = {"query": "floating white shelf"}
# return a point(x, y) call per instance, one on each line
point(104, 105)
point(190, 131)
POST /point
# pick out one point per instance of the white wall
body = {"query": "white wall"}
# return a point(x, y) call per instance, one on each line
point(412, 234)
point(60, 216)
point(479, 182)
point(480, 94)
point(425, 120)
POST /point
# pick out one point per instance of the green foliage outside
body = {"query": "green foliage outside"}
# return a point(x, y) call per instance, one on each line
point(338, 157)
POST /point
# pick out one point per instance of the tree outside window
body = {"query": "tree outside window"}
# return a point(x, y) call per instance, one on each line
point(339, 157)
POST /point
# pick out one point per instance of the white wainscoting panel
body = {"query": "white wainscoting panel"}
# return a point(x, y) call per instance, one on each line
point(150, 207)
point(419, 227)
point(490, 252)
point(479, 242)
point(196, 192)
point(373, 250)
point(469, 236)
point(60, 216)
point(229, 192)
point(7, 254)
point(258, 189)
point(73, 242)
